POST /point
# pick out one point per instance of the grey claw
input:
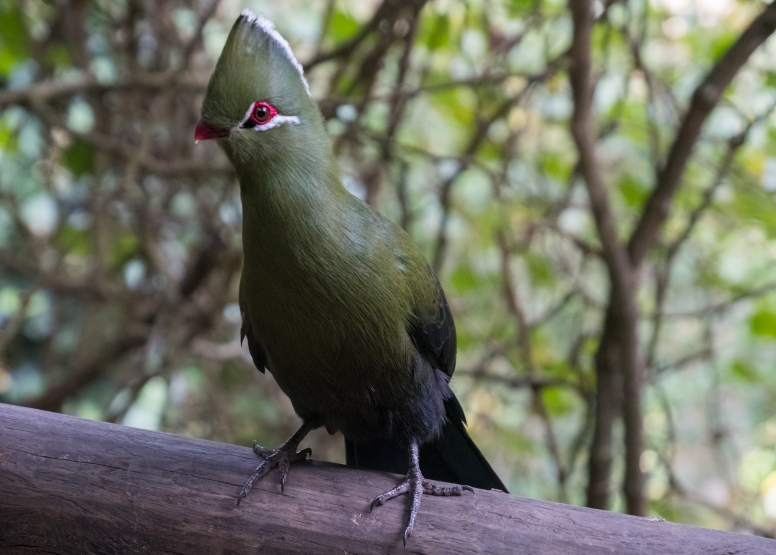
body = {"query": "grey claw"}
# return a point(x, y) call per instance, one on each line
point(282, 457)
point(274, 457)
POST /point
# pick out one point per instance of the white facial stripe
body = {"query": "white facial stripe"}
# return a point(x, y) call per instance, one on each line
point(277, 121)
point(268, 27)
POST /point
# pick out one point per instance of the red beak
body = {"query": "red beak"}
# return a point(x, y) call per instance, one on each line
point(205, 131)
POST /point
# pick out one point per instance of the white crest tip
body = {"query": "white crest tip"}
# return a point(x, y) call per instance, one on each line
point(268, 27)
point(249, 15)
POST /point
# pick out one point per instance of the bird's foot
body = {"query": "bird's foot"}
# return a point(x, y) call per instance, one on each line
point(282, 457)
point(415, 485)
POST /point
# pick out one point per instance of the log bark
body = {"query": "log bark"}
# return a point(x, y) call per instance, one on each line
point(69, 485)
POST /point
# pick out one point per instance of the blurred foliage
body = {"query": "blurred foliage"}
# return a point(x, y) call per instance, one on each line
point(120, 239)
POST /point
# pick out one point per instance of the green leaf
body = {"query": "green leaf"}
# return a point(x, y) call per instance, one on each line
point(756, 205)
point(124, 248)
point(558, 400)
point(458, 105)
point(343, 26)
point(552, 164)
point(76, 241)
point(435, 32)
point(8, 139)
point(79, 158)
point(558, 368)
point(520, 7)
point(489, 151)
point(58, 56)
point(722, 43)
point(633, 192)
point(763, 323)
point(542, 273)
point(464, 340)
point(13, 38)
point(743, 371)
point(463, 279)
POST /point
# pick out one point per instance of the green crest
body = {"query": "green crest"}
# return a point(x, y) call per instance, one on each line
point(256, 64)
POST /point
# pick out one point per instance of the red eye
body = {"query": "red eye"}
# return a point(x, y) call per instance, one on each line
point(262, 113)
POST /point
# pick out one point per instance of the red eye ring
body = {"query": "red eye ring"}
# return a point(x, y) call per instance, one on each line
point(262, 113)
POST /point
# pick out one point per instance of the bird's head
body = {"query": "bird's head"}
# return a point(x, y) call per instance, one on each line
point(258, 99)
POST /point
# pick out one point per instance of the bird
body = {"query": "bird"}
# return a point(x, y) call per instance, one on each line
point(337, 302)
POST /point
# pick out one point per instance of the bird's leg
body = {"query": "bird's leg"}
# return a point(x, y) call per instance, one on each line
point(282, 457)
point(416, 486)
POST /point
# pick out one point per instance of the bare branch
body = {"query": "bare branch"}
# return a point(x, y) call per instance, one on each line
point(526, 356)
point(706, 96)
point(197, 37)
point(475, 142)
point(519, 382)
point(618, 349)
point(49, 90)
point(724, 305)
point(386, 14)
point(83, 374)
point(14, 324)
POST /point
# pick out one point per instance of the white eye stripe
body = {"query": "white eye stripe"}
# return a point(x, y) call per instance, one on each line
point(277, 121)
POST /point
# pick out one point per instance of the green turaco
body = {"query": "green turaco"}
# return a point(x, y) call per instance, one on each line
point(337, 301)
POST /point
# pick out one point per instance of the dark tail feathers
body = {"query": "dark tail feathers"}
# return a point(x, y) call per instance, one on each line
point(453, 457)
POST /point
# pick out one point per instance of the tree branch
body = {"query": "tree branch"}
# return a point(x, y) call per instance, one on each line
point(706, 96)
point(49, 90)
point(618, 349)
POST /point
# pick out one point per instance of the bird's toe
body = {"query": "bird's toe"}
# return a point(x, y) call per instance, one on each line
point(281, 458)
point(416, 493)
point(433, 489)
point(415, 485)
point(402, 488)
point(263, 452)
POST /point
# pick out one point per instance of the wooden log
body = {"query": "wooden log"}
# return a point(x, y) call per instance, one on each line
point(69, 485)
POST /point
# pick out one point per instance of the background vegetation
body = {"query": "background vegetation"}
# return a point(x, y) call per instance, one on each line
point(607, 241)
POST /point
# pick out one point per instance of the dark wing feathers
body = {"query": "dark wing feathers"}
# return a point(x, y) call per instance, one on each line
point(434, 334)
point(452, 457)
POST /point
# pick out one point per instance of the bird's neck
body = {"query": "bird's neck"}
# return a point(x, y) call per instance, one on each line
point(292, 210)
